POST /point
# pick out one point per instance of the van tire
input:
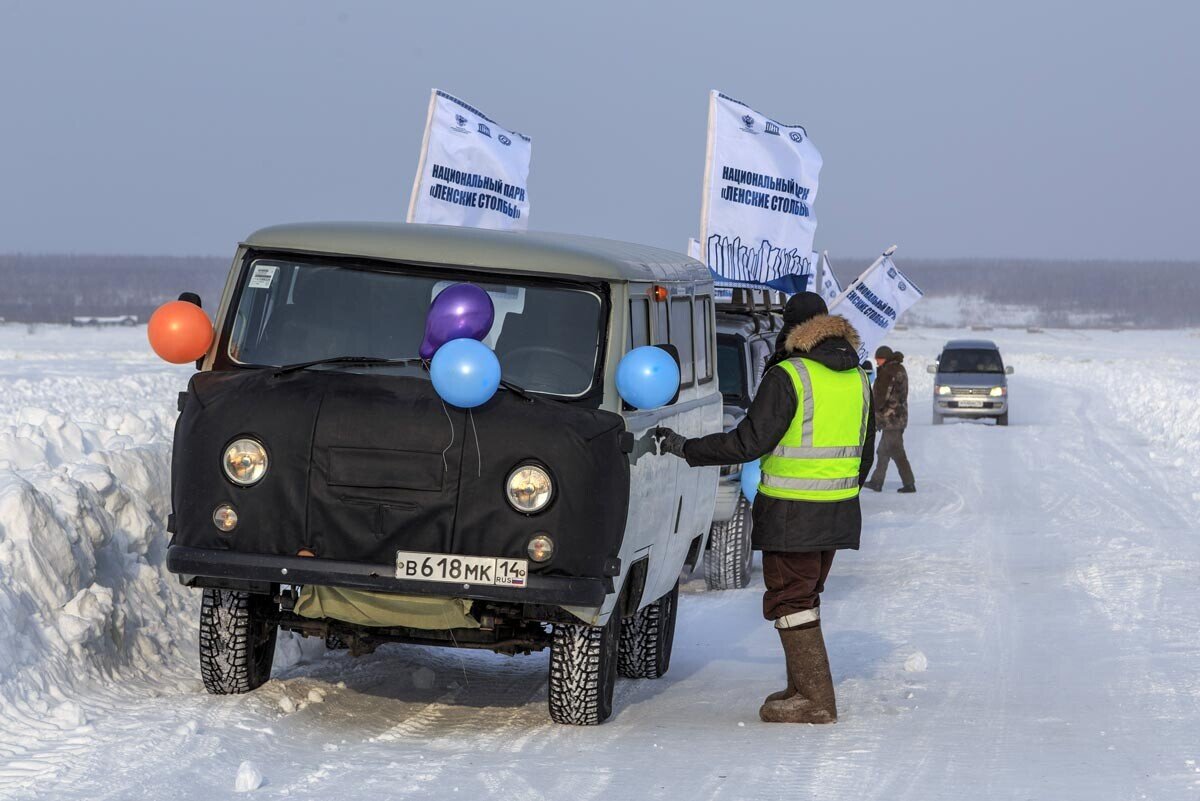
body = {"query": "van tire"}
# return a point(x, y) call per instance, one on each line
point(583, 671)
point(938, 419)
point(237, 641)
point(648, 637)
point(728, 562)
point(1002, 420)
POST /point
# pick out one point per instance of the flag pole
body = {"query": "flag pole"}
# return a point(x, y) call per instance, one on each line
point(412, 201)
point(708, 163)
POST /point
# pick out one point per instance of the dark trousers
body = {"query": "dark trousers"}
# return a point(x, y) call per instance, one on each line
point(794, 581)
point(891, 447)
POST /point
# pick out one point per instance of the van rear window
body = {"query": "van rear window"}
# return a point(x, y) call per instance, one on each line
point(546, 337)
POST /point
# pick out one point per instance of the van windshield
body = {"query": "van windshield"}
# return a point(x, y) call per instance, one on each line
point(970, 360)
point(546, 338)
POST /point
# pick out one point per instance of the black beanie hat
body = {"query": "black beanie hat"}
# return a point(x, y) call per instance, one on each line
point(802, 307)
point(883, 352)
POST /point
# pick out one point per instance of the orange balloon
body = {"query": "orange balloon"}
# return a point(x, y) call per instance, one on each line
point(179, 332)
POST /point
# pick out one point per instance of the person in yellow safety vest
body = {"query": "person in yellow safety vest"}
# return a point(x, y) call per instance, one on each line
point(813, 426)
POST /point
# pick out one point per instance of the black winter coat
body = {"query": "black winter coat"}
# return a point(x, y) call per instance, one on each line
point(783, 525)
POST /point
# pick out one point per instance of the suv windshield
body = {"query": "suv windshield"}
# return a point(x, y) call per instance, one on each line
point(973, 360)
point(547, 338)
point(731, 374)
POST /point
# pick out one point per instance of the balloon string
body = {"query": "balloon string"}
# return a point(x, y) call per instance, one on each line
point(445, 464)
point(478, 452)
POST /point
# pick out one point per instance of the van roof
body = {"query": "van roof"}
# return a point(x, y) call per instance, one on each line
point(501, 251)
point(970, 344)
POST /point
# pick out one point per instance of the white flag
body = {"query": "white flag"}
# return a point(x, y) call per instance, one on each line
point(472, 171)
point(874, 302)
point(760, 183)
point(693, 250)
point(827, 283)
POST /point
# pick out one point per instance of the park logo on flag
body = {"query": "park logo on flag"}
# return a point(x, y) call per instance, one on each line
point(827, 285)
point(472, 171)
point(760, 183)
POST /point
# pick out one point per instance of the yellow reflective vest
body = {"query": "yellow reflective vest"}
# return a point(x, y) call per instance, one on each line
point(819, 457)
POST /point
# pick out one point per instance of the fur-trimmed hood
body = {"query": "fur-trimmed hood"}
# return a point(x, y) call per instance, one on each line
point(825, 338)
point(805, 337)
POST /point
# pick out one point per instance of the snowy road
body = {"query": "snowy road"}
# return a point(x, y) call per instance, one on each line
point(1025, 627)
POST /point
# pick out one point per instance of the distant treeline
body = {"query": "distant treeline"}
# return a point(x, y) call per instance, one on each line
point(1139, 294)
point(55, 288)
point(1143, 294)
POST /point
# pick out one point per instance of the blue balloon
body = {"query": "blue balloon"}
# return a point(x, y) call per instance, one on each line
point(465, 373)
point(647, 377)
point(751, 477)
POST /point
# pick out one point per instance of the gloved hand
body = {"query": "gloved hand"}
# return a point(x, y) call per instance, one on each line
point(668, 442)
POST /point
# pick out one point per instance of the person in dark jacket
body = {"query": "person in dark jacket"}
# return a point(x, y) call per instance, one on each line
point(891, 417)
point(798, 538)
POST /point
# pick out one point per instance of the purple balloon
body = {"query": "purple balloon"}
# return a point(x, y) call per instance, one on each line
point(461, 311)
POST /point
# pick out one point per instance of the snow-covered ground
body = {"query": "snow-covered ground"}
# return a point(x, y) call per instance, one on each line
point(1024, 627)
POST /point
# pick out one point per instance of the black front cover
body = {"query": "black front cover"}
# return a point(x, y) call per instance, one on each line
point(364, 465)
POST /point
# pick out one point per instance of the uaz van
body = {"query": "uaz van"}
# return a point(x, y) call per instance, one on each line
point(321, 485)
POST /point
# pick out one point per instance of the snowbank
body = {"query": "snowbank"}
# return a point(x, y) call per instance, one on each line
point(84, 466)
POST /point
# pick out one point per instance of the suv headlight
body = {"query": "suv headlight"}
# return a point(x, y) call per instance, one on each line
point(997, 392)
point(943, 390)
point(245, 462)
point(529, 489)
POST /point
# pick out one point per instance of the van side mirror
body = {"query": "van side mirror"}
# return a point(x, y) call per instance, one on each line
point(931, 369)
point(193, 298)
point(1008, 370)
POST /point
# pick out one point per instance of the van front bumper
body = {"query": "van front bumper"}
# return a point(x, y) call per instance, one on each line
point(202, 567)
point(970, 406)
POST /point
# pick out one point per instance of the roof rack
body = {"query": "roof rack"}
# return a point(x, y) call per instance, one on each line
point(757, 303)
point(741, 299)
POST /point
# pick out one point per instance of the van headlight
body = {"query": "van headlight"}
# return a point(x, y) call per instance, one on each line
point(529, 489)
point(997, 392)
point(245, 462)
point(943, 390)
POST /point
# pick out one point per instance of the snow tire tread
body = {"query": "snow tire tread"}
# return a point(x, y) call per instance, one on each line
point(580, 691)
point(647, 637)
point(236, 650)
point(728, 561)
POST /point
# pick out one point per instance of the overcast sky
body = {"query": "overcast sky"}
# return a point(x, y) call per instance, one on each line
point(1039, 129)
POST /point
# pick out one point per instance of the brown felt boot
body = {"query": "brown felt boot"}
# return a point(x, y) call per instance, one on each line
point(812, 700)
point(790, 690)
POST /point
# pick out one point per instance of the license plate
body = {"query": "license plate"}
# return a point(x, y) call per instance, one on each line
point(971, 404)
point(461, 569)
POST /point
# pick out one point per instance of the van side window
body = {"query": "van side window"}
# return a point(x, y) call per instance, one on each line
point(701, 318)
point(639, 322)
point(658, 323)
point(682, 336)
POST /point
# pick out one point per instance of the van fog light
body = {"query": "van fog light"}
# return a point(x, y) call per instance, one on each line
point(245, 462)
point(225, 517)
point(529, 489)
point(541, 548)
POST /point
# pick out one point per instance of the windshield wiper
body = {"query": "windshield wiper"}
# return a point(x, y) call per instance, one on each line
point(516, 390)
point(365, 361)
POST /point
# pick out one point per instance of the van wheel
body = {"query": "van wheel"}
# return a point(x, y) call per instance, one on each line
point(728, 560)
point(938, 419)
point(237, 641)
point(1002, 420)
point(647, 638)
point(583, 671)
